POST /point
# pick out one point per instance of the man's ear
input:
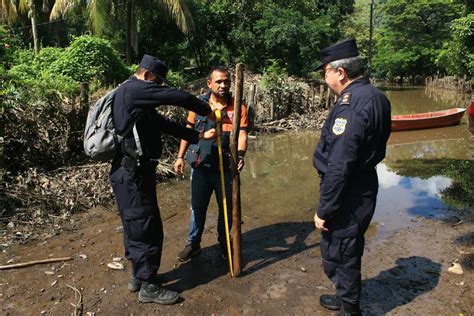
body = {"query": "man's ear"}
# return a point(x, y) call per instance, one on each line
point(341, 72)
point(209, 83)
point(147, 75)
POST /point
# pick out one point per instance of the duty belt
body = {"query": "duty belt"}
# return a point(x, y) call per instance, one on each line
point(132, 164)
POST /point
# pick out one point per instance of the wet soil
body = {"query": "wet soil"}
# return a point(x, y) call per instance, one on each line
point(403, 274)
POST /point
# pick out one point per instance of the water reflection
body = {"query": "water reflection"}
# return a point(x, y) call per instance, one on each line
point(419, 100)
point(399, 194)
point(279, 183)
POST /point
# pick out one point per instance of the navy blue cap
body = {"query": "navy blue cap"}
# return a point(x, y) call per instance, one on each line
point(343, 49)
point(156, 67)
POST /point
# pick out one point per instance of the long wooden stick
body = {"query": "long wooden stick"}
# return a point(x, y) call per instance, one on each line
point(234, 141)
point(31, 263)
point(224, 196)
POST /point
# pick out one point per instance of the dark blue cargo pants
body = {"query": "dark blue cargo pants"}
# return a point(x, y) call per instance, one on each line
point(135, 193)
point(343, 246)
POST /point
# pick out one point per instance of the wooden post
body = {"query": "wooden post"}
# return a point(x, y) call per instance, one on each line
point(272, 109)
point(251, 106)
point(234, 141)
point(84, 96)
point(328, 97)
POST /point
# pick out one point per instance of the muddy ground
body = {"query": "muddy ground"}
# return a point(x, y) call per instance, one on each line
point(405, 273)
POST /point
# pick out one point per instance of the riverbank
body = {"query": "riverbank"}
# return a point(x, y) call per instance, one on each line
point(405, 273)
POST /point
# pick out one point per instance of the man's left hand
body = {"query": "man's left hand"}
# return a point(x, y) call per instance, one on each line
point(319, 223)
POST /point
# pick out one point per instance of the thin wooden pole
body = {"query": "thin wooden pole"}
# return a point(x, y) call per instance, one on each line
point(31, 263)
point(251, 106)
point(84, 96)
point(327, 97)
point(234, 141)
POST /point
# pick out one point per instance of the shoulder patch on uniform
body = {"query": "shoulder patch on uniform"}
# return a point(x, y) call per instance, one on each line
point(346, 98)
point(339, 126)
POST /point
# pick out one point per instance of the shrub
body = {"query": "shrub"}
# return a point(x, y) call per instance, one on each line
point(176, 79)
point(89, 58)
point(9, 43)
point(282, 91)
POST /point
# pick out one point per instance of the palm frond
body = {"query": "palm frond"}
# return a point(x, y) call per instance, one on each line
point(60, 8)
point(24, 5)
point(98, 11)
point(8, 12)
point(179, 12)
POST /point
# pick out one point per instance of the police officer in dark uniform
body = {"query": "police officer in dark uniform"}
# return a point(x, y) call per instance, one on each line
point(133, 169)
point(353, 141)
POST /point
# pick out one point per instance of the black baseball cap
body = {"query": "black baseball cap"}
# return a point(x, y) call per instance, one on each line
point(343, 49)
point(156, 67)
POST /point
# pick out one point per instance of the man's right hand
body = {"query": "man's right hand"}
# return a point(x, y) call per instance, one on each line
point(179, 166)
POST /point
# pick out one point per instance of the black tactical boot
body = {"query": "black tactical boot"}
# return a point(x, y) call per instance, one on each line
point(331, 302)
point(349, 310)
point(155, 293)
point(134, 285)
point(188, 252)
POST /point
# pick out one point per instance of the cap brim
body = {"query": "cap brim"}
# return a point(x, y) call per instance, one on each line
point(319, 67)
point(166, 82)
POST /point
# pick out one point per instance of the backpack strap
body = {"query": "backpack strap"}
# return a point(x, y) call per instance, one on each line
point(137, 140)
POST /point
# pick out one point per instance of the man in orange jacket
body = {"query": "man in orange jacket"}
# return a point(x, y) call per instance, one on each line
point(204, 160)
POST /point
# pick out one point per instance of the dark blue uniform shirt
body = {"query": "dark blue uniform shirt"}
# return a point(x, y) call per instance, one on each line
point(136, 99)
point(353, 141)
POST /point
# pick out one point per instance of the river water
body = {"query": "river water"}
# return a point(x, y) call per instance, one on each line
point(426, 173)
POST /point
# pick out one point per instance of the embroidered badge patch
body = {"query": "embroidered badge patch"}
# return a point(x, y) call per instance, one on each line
point(339, 126)
point(346, 98)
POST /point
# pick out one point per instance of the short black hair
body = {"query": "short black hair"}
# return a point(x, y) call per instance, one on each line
point(219, 69)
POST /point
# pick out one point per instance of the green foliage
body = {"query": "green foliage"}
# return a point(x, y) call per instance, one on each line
point(357, 25)
point(274, 76)
point(89, 58)
point(257, 31)
point(176, 79)
point(288, 35)
point(46, 57)
point(281, 89)
point(9, 43)
point(412, 36)
point(30, 74)
point(457, 56)
point(24, 56)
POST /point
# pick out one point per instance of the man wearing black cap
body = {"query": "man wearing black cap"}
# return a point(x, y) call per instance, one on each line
point(133, 169)
point(352, 143)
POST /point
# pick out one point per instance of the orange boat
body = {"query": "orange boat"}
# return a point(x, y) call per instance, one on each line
point(427, 120)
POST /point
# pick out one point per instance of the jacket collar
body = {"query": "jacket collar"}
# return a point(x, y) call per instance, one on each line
point(356, 83)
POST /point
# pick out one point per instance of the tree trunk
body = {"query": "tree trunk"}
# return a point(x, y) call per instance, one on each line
point(128, 36)
point(34, 31)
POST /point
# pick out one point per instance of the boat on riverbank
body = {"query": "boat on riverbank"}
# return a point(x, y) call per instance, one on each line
point(427, 120)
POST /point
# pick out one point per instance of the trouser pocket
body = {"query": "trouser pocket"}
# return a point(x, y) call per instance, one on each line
point(142, 225)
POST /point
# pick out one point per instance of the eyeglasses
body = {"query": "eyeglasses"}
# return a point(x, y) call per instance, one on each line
point(327, 70)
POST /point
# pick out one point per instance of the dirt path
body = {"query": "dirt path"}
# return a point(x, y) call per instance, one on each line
point(405, 274)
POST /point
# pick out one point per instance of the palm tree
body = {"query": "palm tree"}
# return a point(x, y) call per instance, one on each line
point(11, 9)
point(8, 11)
point(100, 11)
